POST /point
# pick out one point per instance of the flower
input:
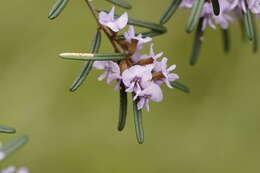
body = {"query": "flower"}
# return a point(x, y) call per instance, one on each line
point(140, 74)
point(209, 18)
point(112, 71)
point(136, 76)
point(152, 92)
point(130, 35)
point(12, 169)
point(108, 19)
point(186, 4)
point(137, 56)
point(225, 17)
point(253, 5)
point(167, 76)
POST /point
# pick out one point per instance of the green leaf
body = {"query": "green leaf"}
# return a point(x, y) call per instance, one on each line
point(150, 33)
point(255, 40)
point(195, 15)
point(11, 146)
point(197, 43)
point(216, 7)
point(180, 86)
point(57, 8)
point(170, 11)
point(149, 25)
point(5, 129)
point(88, 65)
point(242, 28)
point(249, 25)
point(138, 122)
point(92, 57)
point(122, 109)
point(120, 3)
point(144, 34)
point(226, 40)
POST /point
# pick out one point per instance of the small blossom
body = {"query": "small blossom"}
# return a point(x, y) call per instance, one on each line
point(135, 77)
point(225, 17)
point(186, 4)
point(166, 72)
point(253, 5)
point(112, 70)
point(209, 18)
point(108, 19)
point(152, 92)
point(137, 57)
point(130, 35)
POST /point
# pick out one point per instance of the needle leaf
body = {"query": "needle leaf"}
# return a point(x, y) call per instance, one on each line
point(5, 129)
point(88, 65)
point(197, 43)
point(122, 109)
point(226, 40)
point(120, 3)
point(195, 15)
point(92, 57)
point(138, 122)
point(170, 11)
point(249, 28)
point(57, 8)
point(180, 86)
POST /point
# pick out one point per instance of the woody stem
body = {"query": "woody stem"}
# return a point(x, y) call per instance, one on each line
point(105, 29)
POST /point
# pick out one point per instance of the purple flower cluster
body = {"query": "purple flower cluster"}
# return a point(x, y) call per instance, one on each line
point(140, 74)
point(229, 11)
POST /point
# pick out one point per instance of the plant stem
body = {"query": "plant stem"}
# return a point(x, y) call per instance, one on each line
point(105, 29)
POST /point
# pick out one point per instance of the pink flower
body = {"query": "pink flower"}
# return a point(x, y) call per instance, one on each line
point(136, 77)
point(152, 92)
point(130, 35)
point(112, 71)
point(108, 19)
point(168, 77)
point(253, 5)
point(136, 57)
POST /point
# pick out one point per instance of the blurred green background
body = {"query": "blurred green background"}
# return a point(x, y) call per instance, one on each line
point(214, 129)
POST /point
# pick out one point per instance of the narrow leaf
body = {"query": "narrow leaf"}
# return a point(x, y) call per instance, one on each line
point(5, 129)
point(122, 109)
point(249, 25)
point(92, 57)
point(149, 25)
point(10, 147)
point(138, 122)
point(170, 11)
point(197, 43)
point(180, 86)
point(216, 7)
point(150, 33)
point(120, 3)
point(255, 40)
point(95, 45)
point(144, 34)
point(195, 15)
point(57, 8)
point(242, 28)
point(226, 40)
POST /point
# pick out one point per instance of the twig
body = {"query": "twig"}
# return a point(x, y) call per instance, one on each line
point(105, 29)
